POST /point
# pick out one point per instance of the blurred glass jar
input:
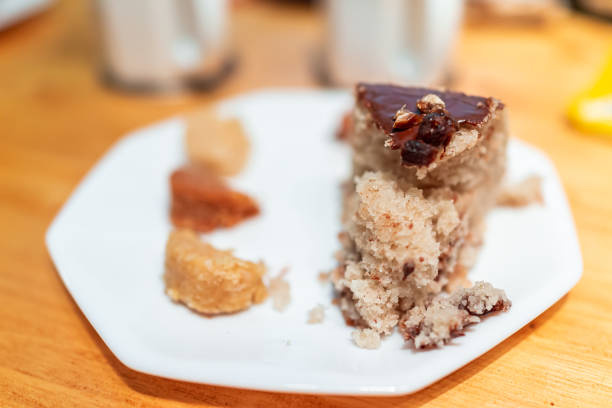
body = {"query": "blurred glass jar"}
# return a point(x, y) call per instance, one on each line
point(164, 44)
point(600, 8)
point(400, 41)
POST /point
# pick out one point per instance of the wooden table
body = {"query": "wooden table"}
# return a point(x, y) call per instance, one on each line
point(56, 120)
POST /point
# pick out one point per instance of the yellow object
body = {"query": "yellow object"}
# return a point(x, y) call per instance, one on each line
point(592, 110)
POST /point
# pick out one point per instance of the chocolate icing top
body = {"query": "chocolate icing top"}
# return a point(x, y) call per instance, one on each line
point(427, 132)
point(383, 101)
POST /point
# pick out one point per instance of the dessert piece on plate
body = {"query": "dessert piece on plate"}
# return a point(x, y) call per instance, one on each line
point(427, 166)
point(217, 143)
point(209, 280)
point(202, 201)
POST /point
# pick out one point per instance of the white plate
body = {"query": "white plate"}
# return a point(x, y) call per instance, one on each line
point(108, 246)
point(14, 11)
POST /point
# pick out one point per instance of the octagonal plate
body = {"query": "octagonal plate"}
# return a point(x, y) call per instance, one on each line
point(108, 241)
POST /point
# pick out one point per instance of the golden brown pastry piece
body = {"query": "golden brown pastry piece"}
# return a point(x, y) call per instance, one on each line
point(219, 144)
point(209, 280)
point(203, 202)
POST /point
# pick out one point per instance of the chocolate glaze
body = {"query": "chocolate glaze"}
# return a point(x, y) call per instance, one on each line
point(383, 101)
point(422, 138)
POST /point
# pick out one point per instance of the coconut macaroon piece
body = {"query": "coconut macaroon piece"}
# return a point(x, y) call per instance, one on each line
point(427, 166)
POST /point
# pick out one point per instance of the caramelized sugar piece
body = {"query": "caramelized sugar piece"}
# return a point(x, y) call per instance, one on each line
point(203, 202)
point(209, 280)
point(216, 143)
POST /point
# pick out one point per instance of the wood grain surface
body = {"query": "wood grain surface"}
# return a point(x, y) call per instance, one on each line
point(57, 119)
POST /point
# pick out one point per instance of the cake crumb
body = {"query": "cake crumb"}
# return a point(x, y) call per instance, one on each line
point(480, 299)
point(316, 314)
point(366, 338)
point(435, 324)
point(324, 277)
point(525, 192)
point(279, 291)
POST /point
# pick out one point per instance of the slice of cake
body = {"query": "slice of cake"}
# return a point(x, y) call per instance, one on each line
point(427, 166)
